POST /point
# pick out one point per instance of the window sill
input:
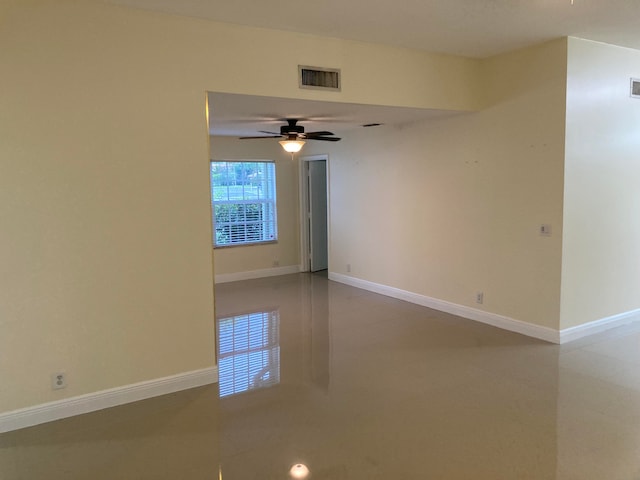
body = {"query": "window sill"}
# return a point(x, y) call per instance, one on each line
point(236, 245)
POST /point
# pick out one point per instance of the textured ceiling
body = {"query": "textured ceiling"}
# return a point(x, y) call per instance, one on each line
point(474, 28)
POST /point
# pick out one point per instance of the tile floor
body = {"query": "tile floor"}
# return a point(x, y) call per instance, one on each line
point(360, 386)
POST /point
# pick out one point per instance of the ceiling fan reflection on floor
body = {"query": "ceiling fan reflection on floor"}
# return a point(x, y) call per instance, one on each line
point(295, 136)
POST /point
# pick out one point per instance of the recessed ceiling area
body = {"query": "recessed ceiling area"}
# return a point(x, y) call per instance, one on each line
point(246, 115)
point(472, 28)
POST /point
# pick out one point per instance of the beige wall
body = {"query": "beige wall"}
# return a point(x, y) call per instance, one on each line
point(285, 251)
point(449, 207)
point(104, 206)
point(105, 246)
point(481, 184)
point(601, 272)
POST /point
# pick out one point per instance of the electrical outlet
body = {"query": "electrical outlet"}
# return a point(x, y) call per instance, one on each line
point(276, 263)
point(58, 380)
point(348, 268)
point(545, 230)
point(480, 297)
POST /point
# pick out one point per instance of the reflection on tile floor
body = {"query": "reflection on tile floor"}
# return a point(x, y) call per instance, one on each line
point(354, 385)
point(248, 351)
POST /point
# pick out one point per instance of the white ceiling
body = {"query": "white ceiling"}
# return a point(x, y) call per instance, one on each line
point(473, 28)
point(246, 115)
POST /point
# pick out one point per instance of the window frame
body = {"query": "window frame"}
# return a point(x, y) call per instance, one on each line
point(267, 199)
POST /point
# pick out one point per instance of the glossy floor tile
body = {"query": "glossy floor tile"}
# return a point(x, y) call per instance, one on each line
point(354, 385)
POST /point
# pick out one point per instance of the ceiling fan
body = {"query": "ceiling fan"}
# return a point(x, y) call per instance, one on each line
point(295, 136)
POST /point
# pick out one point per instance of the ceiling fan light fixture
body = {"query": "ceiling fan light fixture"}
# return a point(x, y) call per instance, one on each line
point(292, 146)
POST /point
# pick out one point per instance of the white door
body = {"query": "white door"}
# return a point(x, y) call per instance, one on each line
point(318, 215)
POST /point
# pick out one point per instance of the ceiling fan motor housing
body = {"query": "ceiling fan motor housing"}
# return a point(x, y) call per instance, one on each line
point(291, 129)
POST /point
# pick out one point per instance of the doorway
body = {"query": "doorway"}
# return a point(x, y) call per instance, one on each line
point(314, 213)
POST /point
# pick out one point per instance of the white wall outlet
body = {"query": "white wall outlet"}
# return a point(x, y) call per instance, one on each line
point(348, 268)
point(545, 230)
point(480, 297)
point(58, 380)
point(276, 263)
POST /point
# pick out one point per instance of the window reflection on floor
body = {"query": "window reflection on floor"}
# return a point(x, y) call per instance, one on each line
point(249, 352)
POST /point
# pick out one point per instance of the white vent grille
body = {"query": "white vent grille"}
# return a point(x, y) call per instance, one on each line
point(635, 87)
point(319, 78)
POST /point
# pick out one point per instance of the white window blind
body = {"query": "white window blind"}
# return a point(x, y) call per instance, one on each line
point(244, 202)
point(249, 352)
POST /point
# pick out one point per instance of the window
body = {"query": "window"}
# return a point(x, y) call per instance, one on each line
point(249, 352)
point(244, 202)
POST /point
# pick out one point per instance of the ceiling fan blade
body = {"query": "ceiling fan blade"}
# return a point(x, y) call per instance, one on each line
point(318, 134)
point(269, 133)
point(325, 139)
point(263, 136)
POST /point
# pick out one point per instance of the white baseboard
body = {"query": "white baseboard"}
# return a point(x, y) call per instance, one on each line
point(69, 407)
point(249, 275)
point(597, 326)
point(506, 323)
point(500, 321)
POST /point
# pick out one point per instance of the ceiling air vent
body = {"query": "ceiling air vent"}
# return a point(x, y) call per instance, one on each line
point(319, 78)
point(635, 87)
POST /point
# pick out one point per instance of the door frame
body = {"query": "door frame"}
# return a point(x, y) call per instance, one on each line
point(303, 168)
